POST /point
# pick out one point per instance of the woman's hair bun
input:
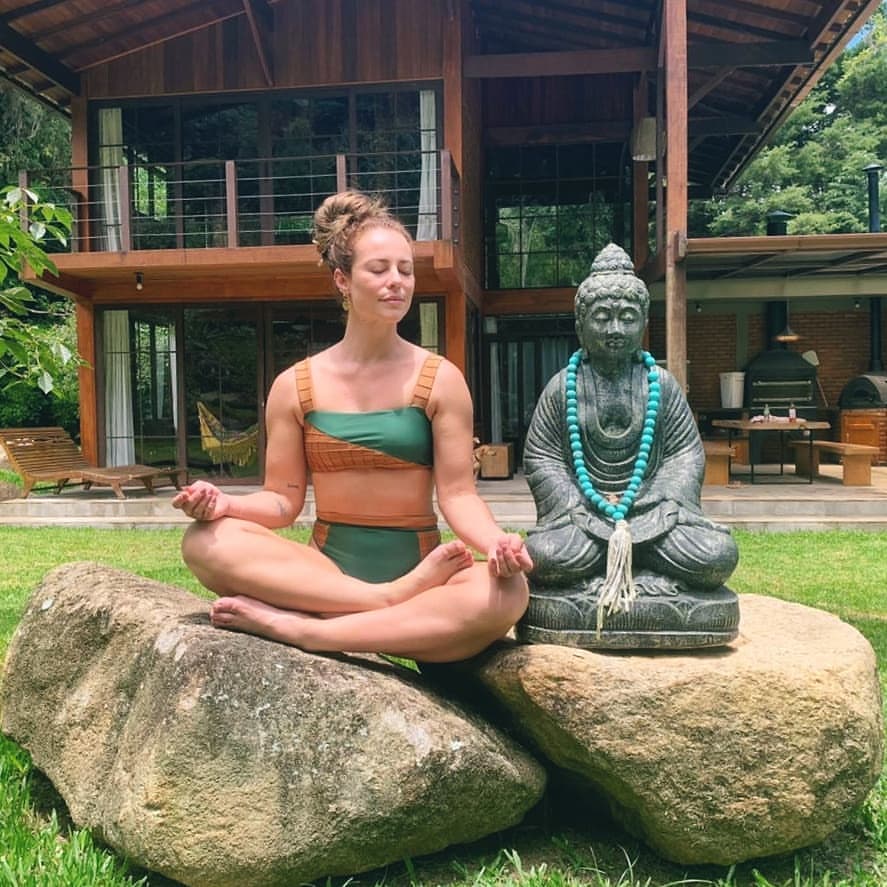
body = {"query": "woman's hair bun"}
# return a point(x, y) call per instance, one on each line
point(339, 217)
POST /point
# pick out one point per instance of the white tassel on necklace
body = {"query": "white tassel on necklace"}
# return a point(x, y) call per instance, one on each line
point(618, 591)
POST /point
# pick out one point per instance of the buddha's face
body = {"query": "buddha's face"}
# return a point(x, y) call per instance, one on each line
point(612, 329)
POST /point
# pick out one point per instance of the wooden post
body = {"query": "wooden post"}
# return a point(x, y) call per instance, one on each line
point(86, 348)
point(231, 202)
point(123, 208)
point(341, 172)
point(456, 328)
point(675, 29)
point(446, 195)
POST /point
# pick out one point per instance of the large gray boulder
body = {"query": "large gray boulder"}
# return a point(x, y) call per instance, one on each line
point(710, 757)
point(221, 759)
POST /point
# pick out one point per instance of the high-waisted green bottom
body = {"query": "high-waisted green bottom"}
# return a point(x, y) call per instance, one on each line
point(374, 554)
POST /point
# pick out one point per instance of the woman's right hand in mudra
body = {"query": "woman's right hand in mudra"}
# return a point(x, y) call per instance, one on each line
point(202, 501)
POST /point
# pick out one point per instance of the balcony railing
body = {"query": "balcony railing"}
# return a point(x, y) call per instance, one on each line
point(266, 201)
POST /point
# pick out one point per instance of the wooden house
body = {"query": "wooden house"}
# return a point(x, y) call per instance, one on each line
point(515, 139)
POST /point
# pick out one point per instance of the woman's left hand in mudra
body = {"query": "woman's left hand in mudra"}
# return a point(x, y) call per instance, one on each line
point(508, 556)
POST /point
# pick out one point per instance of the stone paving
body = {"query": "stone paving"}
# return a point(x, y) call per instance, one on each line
point(777, 504)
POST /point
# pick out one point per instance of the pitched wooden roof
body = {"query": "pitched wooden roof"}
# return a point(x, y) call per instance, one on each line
point(751, 61)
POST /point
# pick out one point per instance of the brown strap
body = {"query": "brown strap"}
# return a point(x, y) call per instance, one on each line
point(390, 521)
point(425, 382)
point(303, 385)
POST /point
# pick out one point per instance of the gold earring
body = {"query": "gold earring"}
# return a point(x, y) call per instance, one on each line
point(346, 300)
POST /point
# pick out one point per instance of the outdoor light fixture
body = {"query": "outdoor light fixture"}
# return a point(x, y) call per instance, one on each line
point(787, 334)
point(643, 140)
point(699, 307)
point(139, 281)
point(857, 304)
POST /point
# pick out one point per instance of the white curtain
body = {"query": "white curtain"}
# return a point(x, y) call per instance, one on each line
point(554, 357)
point(427, 226)
point(119, 437)
point(110, 158)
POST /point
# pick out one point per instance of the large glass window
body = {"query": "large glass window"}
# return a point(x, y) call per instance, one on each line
point(211, 135)
point(551, 209)
point(284, 148)
point(395, 141)
point(306, 135)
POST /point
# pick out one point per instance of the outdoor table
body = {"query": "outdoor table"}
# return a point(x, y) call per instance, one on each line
point(779, 424)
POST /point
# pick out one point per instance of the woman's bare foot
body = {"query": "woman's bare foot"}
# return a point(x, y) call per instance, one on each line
point(436, 568)
point(247, 614)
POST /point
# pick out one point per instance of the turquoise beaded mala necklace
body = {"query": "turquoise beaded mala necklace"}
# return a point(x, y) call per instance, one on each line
point(618, 511)
point(618, 590)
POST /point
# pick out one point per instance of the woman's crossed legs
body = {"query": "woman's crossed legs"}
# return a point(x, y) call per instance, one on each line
point(446, 608)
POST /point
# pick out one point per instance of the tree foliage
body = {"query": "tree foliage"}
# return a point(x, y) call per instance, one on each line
point(32, 137)
point(28, 354)
point(814, 166)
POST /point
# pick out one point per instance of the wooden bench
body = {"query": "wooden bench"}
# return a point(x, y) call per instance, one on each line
point(49, 454)
point(718, 454)
point(856, 460)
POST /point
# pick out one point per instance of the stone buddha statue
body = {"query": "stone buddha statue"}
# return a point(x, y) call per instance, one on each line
point(624, 556)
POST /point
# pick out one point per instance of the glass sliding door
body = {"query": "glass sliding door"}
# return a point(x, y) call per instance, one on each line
point(523, 354)
point(221, 376)
point(140, 383)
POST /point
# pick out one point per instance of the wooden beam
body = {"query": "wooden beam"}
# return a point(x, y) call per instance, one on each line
point(760, 54)
point(560, 64)
point(261, 24)
point(743, 27)
point(769, 11)
point(717, 54)
point(675, 32)
point(33, 56)
point(724, 125)
point(559, 133)
point(712, 83)
point(29, 9)
point(78, 21)
point(158, 21)
point(554, 300)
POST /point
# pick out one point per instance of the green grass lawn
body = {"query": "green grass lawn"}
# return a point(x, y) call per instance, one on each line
point(842, 572)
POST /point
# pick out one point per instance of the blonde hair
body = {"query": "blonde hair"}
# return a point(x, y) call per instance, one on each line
point(341, 218)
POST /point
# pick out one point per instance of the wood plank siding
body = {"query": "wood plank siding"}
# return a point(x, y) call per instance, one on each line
point(314, 44)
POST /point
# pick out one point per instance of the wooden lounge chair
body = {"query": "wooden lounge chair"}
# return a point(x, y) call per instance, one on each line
point(49, 454)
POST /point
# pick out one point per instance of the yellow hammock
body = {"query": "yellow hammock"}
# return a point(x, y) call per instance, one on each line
point(223, 446)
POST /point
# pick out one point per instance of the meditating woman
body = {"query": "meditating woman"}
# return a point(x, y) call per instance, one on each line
point(378, 423)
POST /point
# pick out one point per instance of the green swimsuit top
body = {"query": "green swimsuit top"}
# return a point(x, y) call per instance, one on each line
point(403, 434)
point(399, 438)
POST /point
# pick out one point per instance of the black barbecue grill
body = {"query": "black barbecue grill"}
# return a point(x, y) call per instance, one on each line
point(865, 392)
point(779, 379)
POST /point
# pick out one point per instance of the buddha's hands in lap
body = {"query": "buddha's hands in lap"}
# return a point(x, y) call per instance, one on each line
point(202, 501)
point(646, 526)
point(508, 556)
point(655, 522)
